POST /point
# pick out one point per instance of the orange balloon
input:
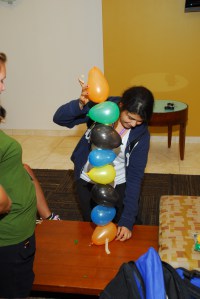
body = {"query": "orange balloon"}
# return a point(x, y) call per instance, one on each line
point(98, 90)
point(101, 233)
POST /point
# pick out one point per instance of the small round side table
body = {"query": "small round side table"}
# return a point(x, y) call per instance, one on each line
point(164, 117)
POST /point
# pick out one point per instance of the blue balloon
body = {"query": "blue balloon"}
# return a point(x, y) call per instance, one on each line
point(101, 215)
point(101, 157)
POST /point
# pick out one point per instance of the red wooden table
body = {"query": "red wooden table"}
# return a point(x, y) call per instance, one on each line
point(66, 261)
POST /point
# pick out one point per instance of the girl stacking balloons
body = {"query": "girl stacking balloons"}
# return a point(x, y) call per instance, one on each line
point(110, 158)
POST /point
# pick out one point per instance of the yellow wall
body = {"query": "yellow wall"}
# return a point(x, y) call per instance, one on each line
point(156, 44)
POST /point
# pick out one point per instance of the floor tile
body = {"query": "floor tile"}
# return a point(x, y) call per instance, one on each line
point(54, 152)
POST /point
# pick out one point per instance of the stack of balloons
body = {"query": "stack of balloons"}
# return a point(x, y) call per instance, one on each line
point(105, 139)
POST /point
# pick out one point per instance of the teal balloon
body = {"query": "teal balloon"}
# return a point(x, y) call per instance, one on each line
point(104, 113)
point(101, 157)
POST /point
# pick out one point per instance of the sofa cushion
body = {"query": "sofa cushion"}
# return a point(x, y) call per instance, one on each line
point(179, 220)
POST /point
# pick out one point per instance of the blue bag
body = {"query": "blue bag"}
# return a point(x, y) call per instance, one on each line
point(142, 279)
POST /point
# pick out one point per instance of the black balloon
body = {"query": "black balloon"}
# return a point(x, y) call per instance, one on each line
point(105, 137)
point(105, 195)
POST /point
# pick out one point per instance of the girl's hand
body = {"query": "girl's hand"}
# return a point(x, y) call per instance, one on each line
point(84, 94)
point(123, 233)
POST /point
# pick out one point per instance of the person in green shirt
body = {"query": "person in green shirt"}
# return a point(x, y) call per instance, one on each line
point(20, 197)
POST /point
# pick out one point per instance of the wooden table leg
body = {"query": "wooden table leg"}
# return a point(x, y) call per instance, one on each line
point(169, 135)
point(182, 140)
point(162, 118)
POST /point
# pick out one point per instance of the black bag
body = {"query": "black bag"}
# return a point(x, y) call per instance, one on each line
point(125, 284)
point(178, 287)
point(150, 278)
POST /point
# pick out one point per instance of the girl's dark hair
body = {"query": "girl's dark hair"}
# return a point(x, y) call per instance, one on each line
point(3, 60)
point(138, 100)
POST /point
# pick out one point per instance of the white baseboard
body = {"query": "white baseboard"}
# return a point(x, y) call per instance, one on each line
point(65, 132)
point(81, 129)
point(175, 139)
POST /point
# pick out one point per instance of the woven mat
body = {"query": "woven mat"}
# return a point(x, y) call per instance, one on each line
point(59, 189)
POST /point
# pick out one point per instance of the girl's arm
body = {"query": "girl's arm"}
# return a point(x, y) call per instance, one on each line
point(71, 114)
point(42, 206)
point(135, 174)
point(74, 112)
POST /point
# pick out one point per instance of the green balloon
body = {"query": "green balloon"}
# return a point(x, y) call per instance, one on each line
point(104, 113)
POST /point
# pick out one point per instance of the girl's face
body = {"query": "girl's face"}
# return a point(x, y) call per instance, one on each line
point(2, 76)
point(130, 120)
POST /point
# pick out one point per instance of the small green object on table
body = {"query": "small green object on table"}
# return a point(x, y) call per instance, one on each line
point(197, 242)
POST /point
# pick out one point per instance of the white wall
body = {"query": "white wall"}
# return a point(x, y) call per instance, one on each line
point(49, 44)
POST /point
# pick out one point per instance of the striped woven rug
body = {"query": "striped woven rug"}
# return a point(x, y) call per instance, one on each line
point(59, 189)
